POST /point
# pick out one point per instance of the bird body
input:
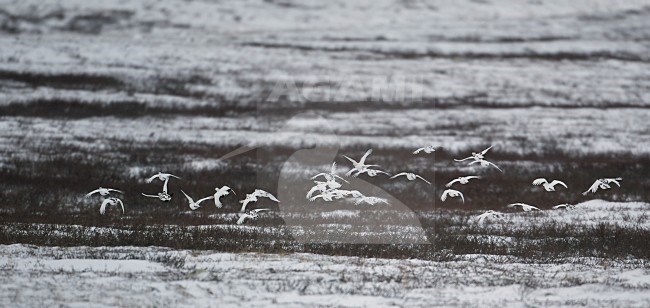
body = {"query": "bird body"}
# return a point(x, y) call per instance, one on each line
point(370, 200)
point(161, 176)
point(195, 205)
point(451, 193)
point(360, 165)
point(220, 192)
point(548, 186)
point(326, 195)
point(476, 156)
point(349, 193)
point(427, 149)
point(564, 207)
point(323, 187)
point(369, 172)
point(103, 192)
point(331, 176)
point(525, 207)
point(252, 197)
point(462, 180)
point(254, 214)
point(485, 163)
point(110, 201)
point(162, 196)
point(489, 215)
point(410, 176)
point(603, 184)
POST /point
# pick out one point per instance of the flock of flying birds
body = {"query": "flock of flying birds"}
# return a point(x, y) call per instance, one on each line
point(165, 196)
point(330, 189)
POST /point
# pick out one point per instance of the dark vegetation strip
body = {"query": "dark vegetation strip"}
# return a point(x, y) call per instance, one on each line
point(215, 107)
point(549, 56)
point(49, 190)
point(55, 108)
point(63, 80)
point(603, 241)
point(56, 182)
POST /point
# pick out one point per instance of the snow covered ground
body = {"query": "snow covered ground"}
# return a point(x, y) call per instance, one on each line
point(154, 276)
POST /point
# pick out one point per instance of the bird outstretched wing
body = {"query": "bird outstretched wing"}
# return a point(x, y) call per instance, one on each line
point(242, 217)
point(262, 193)
point(354, 162)
point(106, 202)
point(363, 158)
point(484, 162)
point(149, 180)
point(188, 197)
point(121, 204)
point(423, 179)
point(452, 182)
point(558, 182)
point(486, 150)
point(539, 181)
point(615, 181)
point(399, 174)
point(464, 159)
point(92, 193)
point(245, 203)
point(593, 188)
point(204, 199)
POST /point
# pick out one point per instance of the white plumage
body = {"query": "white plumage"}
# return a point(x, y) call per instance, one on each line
point(525, 207)
point(410, 176)
point(548, 186)
point(451, 193)
point(110, 201)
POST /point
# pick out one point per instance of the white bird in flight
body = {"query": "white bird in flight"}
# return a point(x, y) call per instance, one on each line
point(195, 205)
point(603, 184)
point(451, 193)
point(476, 156)
point(564, 207)
point(349, 193)
point(371, 172)
point(326, 196)
point(323, 187)
point(410, 176)
point(161, 176)
point(462, 180)
point(360, 165)
point(162, 196)
point(548, 186)
point(370, 200)
point(489, 215)
point(331, 176)
point(110, 201)
point(427, 149)
point(525, 207)
point(258, 193)
point(254, 214)
point(485, 163)
point(220, 192)
point(103, 191)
